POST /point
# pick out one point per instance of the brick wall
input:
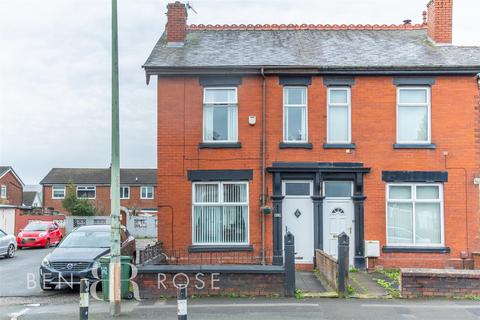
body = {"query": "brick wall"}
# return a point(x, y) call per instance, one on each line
point(328, 268)
point(14, 190)
point(22, 218)
point(439, 23)
point(102, 200)
point(177, 22)
point(416, 283)
point(158, 284)
point(454, 114)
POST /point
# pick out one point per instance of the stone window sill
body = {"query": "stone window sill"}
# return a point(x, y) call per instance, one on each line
point(389, 249)
point(219, 248)
point(414, 146)
point(291, 145)
point(220, 145)
point(339, 146)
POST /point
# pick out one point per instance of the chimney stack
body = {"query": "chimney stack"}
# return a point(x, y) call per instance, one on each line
point(176, 24)
point(439, 21)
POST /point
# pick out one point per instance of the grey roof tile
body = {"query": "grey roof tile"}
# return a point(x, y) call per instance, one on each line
point(312, 48)
point(99, 176)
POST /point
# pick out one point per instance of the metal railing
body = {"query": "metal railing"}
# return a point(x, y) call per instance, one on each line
point(151, 253)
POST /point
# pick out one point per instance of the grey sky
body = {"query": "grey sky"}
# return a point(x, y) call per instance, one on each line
point(55, 69)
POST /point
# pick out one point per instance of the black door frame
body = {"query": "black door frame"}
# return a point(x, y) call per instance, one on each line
point(318, 172)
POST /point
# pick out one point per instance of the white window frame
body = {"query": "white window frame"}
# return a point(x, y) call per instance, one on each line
point(3, 191)
point(88, 188)
point(285, 106)
point(324, 190)
point(223, 103)
point(57, 188)
point(414, 200)
point(429, 116)
point(221, 203)
point(146, 193)
point(349, 112)
point(121, 195)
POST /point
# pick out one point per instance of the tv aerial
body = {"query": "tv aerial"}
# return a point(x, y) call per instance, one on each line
point(189, 7)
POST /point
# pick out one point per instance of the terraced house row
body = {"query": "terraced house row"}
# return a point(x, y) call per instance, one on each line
point(371, 130)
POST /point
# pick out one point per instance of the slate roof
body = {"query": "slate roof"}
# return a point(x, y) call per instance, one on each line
point(325, 49)
point(4, 169)
point(98, 176)
point(28, 197)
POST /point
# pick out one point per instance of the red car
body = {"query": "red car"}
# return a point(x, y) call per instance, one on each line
point(39, 234)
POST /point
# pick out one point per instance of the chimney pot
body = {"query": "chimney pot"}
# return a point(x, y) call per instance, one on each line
point(439, 21)
point(176, 27)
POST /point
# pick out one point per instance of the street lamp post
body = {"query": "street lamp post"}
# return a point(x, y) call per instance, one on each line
point(114, 274)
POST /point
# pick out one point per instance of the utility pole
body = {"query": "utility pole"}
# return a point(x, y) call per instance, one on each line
point(114, 272)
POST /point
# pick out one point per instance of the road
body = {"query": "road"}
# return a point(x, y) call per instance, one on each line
point(19, 276)
point(265, 309)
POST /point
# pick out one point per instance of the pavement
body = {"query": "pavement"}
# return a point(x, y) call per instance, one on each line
point(258, 308)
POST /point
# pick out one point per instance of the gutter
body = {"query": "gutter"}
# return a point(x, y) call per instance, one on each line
point(310, 70)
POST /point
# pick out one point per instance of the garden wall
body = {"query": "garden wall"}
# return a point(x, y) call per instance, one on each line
point(417, 283)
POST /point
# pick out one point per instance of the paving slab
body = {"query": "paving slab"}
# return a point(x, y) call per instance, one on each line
point(307, 282)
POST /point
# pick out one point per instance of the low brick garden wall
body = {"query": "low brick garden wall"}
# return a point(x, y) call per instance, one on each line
point(328, 268)
point(157, 281)
point(417, 283)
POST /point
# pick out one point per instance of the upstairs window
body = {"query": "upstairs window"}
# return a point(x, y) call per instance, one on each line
point(220, 115)
point(338, 115)
point(3, 192)
point(146, 192)
point(295, 114)
point(413, 115)
point(414, 214)
point(86, 192)
point(58, 192)
point(220, 213)
point(124, 192)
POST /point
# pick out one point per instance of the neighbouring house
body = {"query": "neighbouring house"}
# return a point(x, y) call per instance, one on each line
point(371, 130)
point(137, 190)
point(32, 199)
point(11, 187)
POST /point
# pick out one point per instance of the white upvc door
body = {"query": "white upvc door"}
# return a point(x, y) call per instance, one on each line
point(297, 218)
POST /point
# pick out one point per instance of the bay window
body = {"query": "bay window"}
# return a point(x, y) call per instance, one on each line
point(413, 115)
point(220, 113)
point(415, 214)
point(295, 125)
point(220, 213)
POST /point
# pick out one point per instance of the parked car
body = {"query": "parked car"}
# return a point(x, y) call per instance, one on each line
point(8, 245)
point(78, 255)
point(39, 234)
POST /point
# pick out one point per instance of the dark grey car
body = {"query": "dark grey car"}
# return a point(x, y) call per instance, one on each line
point(77, 256)
point(8, 245)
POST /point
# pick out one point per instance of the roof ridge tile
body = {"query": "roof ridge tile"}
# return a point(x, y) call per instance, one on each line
point(304, 26)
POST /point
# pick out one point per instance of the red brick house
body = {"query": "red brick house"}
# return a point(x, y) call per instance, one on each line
point(137, 190)
point(370, 130)
point(11, 187)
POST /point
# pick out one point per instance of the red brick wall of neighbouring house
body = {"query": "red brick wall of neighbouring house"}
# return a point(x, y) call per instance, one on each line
point(102, 200)
point(454, 116)
point(14, 190)
point(22, 218)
